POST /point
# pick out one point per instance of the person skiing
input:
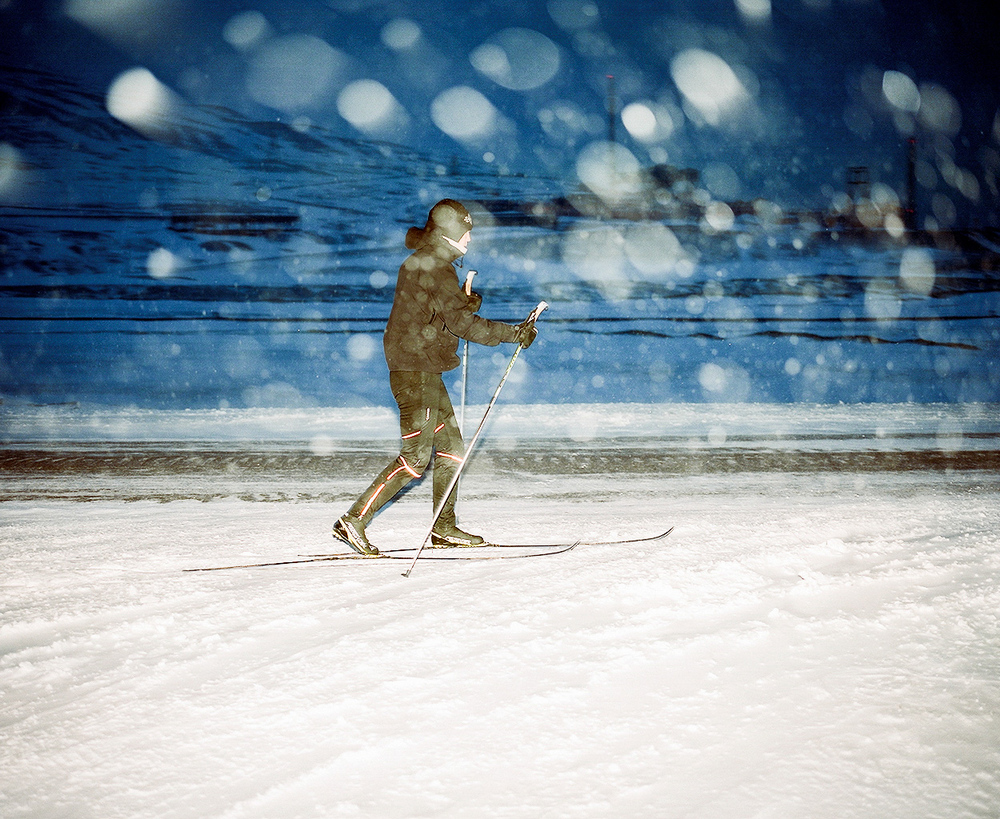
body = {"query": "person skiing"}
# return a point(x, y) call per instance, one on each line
point(430, 313)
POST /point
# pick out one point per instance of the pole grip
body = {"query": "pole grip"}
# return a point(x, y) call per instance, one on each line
point(542, 306)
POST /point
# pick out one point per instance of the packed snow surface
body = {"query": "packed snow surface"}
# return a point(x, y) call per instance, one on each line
point(806, 643)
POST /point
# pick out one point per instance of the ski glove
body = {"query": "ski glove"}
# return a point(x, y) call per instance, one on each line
point(526, 333)
point(474, 301)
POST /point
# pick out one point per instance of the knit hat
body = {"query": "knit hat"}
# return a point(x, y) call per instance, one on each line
point(449, 217)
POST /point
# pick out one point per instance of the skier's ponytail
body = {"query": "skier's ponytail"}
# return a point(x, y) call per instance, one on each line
point(414, 236)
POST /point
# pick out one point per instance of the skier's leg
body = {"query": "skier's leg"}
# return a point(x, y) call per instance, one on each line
point(416, 395)
point(383, 489)
point(449, 452)
point(416, 424)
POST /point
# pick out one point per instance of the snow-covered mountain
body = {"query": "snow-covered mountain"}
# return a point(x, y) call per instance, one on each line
point(210, 260)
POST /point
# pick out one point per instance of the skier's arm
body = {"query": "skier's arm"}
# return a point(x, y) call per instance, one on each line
point(466, 324)
point(457, 310)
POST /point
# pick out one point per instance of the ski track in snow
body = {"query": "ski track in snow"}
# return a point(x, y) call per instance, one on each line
point(800, 646)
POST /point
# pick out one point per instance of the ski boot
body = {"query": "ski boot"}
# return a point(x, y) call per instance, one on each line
point(448, 534)
point(351, 530)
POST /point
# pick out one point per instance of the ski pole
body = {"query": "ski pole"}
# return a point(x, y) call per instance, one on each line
point(465, 359)
point(465, 362)
point(533, 316)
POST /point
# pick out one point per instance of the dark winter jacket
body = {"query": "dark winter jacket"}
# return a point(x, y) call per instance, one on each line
point(431, 312)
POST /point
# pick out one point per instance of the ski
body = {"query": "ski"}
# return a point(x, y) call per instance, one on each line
point(406, 553)
point(389, 554)
point(623, 542)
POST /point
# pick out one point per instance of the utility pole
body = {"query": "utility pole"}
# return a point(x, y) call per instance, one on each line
point(612, 105)
point(910, 214)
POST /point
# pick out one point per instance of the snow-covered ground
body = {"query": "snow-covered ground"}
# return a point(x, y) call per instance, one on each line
point(809, 642)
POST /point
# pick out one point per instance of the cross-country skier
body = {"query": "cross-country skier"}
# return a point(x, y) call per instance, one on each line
point(430, 313)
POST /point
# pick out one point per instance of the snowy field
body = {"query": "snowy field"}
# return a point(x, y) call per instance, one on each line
point(811, 641)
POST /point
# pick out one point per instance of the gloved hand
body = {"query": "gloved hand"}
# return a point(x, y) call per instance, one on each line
point(526, 333)
point(475, 301)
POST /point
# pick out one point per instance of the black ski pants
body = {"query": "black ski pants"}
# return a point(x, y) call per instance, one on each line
point(427, 427)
